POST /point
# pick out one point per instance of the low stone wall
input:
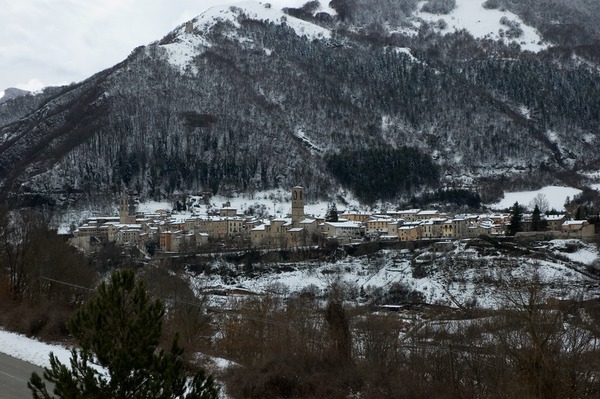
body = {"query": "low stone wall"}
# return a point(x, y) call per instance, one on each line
point(552, 235)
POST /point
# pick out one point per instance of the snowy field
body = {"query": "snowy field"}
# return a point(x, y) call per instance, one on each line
point(555, 195)
point(484, 23)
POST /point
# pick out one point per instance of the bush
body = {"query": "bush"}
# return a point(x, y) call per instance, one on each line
point(572, 247)
point(514, 28)
point(420, 270)
point(43, 322)
point(439, 6)
point(416, 297)
point(491, 4)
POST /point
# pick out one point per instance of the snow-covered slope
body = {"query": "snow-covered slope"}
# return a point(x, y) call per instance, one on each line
point(483, 23)
point(260, 12)
point(556, 197)
point(191, 38)
point(473, 272)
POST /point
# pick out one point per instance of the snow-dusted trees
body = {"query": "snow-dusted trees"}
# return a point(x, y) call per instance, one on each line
point(262, 112)
point(538, 223)
point(543, 15)
point(439, 6)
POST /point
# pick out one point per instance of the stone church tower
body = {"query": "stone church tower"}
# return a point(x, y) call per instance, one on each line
point(125, 214)
point(297, 205)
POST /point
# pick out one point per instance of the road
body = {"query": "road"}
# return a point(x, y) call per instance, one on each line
point(14, 374)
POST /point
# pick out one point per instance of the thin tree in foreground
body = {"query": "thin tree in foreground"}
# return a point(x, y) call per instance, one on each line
point(118, 333)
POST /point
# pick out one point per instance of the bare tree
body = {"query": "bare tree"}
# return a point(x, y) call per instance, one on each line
point(541, 201)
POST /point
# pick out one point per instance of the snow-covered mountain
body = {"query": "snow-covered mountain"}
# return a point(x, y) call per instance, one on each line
point(352, 94)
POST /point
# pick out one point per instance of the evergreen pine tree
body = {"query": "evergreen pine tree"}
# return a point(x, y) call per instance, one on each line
point(536, 219)
point(118, 333)
point(516, 220)
point(332, 215)
point(581, 213)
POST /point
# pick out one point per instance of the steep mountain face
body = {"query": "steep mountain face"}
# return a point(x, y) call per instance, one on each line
point(248, 98)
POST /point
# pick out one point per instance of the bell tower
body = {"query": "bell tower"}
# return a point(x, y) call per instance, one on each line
point(124, 209)
point(297, 205)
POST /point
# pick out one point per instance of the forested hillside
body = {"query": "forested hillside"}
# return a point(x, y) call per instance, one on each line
point(251, 99)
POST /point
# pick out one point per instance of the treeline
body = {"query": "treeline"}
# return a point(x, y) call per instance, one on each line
point(454, 197)
point(294, 348)
point(44, 281)
point(566, 22)
point(367, 12)
point(42, 278)
point(383, 174)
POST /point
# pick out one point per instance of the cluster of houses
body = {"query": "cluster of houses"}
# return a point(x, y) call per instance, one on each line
point(298, 229)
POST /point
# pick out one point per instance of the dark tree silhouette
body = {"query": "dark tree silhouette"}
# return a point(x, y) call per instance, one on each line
point(118, 333)
point(516, 221)
point(332, 213)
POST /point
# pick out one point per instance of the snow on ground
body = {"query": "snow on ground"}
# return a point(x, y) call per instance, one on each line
point(261, 12)
point(484, 23)
point(555, 195)
point(153, 206)
point(182, 51)
point(575, 250)
point(32, 351)
point(466, 275)
point(462, 276)
point(301, 134)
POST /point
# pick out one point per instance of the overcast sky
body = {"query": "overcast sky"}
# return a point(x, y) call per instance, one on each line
point(55, 42)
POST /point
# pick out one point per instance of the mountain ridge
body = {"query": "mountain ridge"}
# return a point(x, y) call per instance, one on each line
point(243, 103)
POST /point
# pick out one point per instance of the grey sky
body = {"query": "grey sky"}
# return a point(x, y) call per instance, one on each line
point(54, 42)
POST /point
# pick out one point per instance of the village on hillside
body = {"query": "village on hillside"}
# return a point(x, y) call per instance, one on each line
point(232, 229)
